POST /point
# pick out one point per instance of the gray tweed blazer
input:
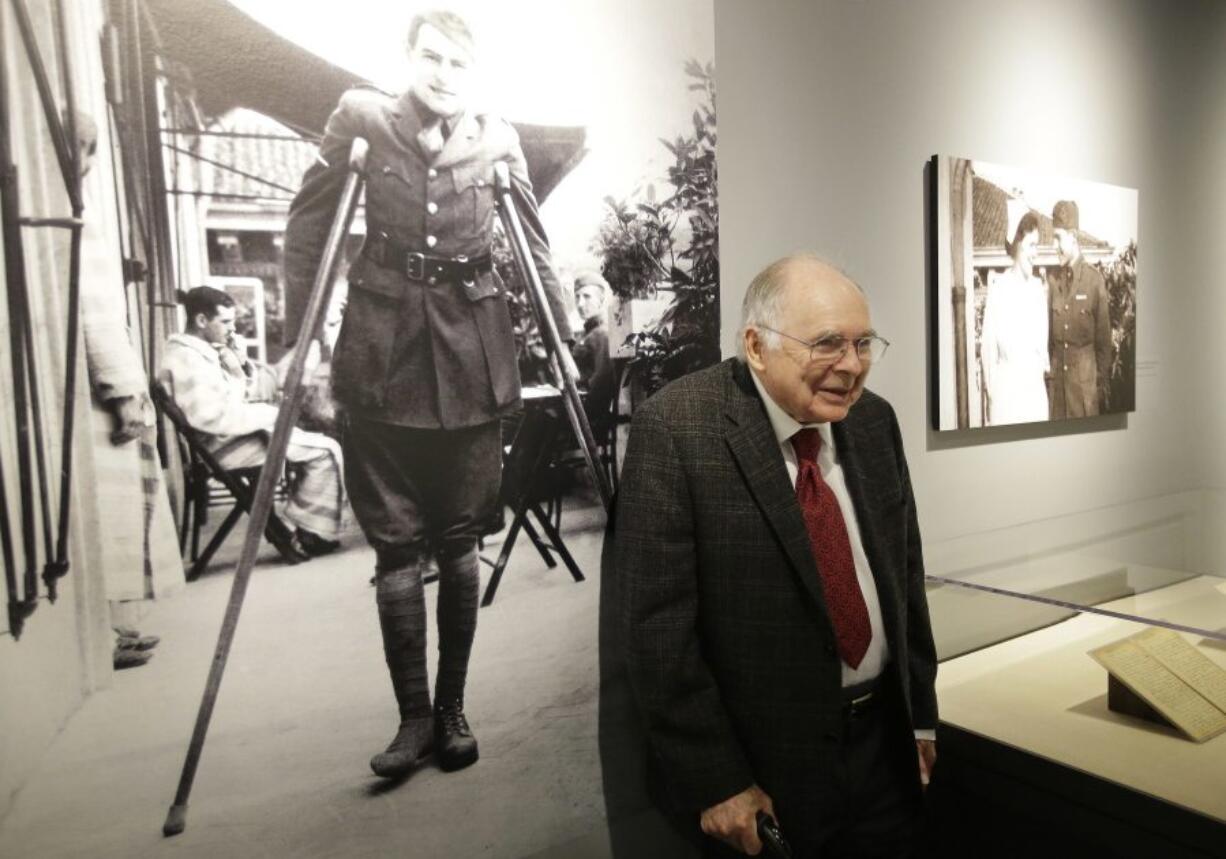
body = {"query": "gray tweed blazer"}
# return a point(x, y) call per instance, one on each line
point(729, 647)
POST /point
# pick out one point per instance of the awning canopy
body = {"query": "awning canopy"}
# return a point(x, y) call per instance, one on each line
point(235, 61)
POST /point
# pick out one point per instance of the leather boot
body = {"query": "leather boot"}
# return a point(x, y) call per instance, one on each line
point(411, 745)
point(454, 743)
point(402, 618)
point(459, 590)
point(459, 587)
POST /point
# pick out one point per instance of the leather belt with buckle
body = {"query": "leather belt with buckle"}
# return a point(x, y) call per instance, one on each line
point(860, 705)
point(415, 265)
point(859, 699)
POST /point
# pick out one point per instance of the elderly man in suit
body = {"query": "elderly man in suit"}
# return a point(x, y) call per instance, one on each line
point(425, 362)
point(771, 584)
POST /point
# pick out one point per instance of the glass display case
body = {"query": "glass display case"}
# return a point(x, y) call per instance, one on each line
point(1026, 731)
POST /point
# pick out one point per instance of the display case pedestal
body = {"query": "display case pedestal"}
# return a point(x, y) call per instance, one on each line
point(990, 799)
point(1035, 759)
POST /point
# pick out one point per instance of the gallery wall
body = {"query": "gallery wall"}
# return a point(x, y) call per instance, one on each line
point(829, 113)
point(1206, 137)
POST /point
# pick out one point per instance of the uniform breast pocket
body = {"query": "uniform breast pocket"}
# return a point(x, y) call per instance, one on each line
point(474, 188)
point(1083, 323)
point(389, 191)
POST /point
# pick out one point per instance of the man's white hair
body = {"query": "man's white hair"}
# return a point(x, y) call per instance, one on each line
point(761, 307)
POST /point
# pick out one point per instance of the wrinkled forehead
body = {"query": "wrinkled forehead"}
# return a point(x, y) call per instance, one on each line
point(819, 294)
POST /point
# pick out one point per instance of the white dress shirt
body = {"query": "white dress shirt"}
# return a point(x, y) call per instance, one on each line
point(785, 426)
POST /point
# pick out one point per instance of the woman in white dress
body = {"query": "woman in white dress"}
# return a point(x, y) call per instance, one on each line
point(1013, 346)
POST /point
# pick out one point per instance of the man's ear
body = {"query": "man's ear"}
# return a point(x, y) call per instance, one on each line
point(753, 347)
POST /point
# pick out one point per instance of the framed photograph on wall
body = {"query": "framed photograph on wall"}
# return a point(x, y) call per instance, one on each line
point(1035, 301)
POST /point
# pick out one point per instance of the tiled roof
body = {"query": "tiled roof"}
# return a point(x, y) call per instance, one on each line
point(990, 213)
point(991, 219)
point(272, 158)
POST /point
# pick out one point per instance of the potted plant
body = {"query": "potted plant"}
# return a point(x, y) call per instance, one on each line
point(661, 259)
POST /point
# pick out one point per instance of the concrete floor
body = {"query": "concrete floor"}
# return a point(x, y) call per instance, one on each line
point(304, 703)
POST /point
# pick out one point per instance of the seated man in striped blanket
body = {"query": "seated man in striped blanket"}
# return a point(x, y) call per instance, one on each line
point(210, 381)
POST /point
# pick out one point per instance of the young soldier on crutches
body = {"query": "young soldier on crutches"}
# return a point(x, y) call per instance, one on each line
point(425, 364)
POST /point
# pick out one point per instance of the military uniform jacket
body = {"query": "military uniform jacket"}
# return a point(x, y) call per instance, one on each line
point(1080, 340)
point(412, 352)
point(596, 368)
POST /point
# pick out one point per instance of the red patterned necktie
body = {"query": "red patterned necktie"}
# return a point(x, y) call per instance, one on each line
point(831, 550)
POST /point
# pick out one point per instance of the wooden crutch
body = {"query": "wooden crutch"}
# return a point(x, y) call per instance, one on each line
point(560, 361)
point(287, 416)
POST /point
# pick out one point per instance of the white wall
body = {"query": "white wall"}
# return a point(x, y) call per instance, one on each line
point(1206, 136)
point(829, 112)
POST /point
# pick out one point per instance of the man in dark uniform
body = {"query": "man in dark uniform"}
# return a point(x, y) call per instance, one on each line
point(1080, 330)
point(592, 357)
point(424, 365)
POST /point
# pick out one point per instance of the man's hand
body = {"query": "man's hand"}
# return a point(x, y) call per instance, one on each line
point(233, 356)
point(129, 414)
point(927, 750)
point(734, 821)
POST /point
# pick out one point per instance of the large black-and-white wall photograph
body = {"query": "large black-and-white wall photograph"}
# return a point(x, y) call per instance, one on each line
point(1035, 298)
point(387, 280)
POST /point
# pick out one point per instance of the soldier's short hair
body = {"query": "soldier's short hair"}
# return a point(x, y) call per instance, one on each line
point(446, 22)
point(1065, 216)
point(591, 278)
point(205, 299)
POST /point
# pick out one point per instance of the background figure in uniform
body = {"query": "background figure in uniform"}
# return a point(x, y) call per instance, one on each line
point(1081, 348)
point(209, 382)
point(425, 363)
point(1014, 339)
point(595, 365)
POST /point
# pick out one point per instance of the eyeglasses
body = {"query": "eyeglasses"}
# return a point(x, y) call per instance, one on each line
point(833, 347)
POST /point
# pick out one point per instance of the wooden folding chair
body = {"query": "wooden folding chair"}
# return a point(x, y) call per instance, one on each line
point(527, 475)
point(567, 463)
point(200, 469)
